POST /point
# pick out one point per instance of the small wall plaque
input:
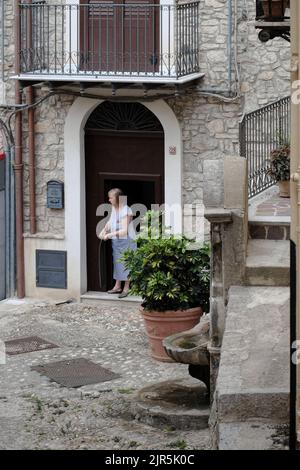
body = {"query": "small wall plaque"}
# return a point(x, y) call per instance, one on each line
point(55, 194)
point(172, 150)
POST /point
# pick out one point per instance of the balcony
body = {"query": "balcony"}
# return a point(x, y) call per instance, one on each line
point(273, 19)
point(110, 42)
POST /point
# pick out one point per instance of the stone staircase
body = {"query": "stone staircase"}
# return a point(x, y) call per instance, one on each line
point(268, 230)
point(251, 408)
point(268, 263)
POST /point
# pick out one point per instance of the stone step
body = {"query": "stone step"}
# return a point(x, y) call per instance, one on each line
point(179, 404)
point(268, 263)
point(267, 230)
point(253, 379)
point(105, 299)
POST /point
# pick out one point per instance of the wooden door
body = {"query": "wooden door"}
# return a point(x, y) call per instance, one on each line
point(133, 161)
point(119, 36)
point(140, 36)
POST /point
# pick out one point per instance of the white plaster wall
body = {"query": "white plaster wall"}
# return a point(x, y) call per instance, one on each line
point(30, 247)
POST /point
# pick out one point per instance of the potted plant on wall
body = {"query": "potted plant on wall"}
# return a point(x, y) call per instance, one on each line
point(274, 8)
point(173, 281)
point(280, 168)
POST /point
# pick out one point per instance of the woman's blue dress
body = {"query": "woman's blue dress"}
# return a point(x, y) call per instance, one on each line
point(119, 245)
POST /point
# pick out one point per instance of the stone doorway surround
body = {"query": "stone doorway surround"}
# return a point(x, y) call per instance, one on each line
point(75, 218)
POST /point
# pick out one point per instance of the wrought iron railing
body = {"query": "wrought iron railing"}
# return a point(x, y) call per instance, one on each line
point(272, 10)
point(105, 39)
point(260, 132)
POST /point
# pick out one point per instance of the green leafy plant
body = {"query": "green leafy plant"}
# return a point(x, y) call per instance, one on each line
point(178, 444)
point(280, 162)
point(166, 272)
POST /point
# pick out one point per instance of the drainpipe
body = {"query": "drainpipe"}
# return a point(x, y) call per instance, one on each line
point(226, 95)
point(31, 152)
point(229, 44)
point(18, 163)
point(31, 140)
point(9, 212)
point(10, 225)
point(2, 40)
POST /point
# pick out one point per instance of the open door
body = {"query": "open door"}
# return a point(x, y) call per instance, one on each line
point(125, 157)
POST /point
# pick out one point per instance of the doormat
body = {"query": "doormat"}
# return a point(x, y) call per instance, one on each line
point(75, 373)
point(26, 345)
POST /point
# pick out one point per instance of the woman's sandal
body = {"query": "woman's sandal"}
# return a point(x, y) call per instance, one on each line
point(114, 291)
point(123, 294)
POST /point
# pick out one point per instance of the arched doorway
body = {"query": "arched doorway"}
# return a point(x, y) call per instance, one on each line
point(124, 147)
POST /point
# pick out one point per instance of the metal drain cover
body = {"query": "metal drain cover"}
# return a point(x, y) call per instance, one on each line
point(26, 345)
point(75, 372)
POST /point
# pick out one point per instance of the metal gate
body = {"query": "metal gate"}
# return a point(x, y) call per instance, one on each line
point(261, 131)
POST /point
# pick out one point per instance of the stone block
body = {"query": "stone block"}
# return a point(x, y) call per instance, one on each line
point(213, 187)
point(235, 183)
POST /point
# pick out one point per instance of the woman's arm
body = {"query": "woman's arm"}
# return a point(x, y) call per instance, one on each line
point(105, 230)
point(123, 232)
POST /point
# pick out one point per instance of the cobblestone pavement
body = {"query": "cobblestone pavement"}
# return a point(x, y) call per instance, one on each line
point(36, 413)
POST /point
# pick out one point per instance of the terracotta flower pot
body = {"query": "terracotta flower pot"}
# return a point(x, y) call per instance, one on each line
point(278, 8)
point(159, 325)
point(284, 188)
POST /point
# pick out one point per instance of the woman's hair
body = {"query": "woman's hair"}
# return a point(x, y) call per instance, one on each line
point(117, 192)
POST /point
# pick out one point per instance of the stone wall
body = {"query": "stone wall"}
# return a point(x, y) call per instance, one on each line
point(49, 144)
point(209, 132)
point(265, 67)
point(209, 124)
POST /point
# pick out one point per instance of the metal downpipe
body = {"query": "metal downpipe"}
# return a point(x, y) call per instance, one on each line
point(18, 165)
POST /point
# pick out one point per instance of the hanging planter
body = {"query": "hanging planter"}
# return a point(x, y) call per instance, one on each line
point(274, 9)
point(280, 168)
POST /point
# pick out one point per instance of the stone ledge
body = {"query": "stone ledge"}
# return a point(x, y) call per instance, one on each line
point(218, 215)
point(253, 404)
point(253, 380)
point(44, 236)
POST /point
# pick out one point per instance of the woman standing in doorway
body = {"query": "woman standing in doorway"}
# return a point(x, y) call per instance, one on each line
point(118, 230)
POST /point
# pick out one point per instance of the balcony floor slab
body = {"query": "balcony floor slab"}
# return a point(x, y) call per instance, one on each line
point(84, 77)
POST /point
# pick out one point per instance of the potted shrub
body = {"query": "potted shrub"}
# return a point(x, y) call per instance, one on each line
point(275, 8)
point(280, 168)
point(173, 281)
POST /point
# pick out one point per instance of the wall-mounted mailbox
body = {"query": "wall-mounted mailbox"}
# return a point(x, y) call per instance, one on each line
point(55, 194)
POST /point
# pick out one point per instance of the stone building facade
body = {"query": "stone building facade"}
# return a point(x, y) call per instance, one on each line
point(240, 75)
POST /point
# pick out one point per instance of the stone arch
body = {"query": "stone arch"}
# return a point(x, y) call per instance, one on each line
point(75, 219)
